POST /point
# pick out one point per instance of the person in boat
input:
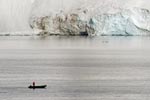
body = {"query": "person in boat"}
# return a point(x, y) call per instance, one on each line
point(33, 84)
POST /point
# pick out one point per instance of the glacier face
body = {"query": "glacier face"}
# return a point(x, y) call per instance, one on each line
point(124, 22)
point(133, 21)
point(64, 24)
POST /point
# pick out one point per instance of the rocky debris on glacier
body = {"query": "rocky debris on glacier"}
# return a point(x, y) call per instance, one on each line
point(126, 22)
point(64, 24)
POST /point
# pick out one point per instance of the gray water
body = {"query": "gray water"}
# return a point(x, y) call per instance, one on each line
point(75, 68)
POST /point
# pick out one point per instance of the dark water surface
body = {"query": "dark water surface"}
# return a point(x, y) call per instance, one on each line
point(75, 68)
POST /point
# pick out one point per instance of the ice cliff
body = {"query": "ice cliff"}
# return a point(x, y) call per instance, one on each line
point(91, 17)
point(135, 21)
point(64, 24)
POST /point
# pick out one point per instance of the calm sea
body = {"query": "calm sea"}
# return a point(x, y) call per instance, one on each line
point(75, 68)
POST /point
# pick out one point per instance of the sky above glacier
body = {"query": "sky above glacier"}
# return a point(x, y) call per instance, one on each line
point(15, 14)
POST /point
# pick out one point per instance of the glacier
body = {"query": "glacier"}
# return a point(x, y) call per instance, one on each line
point(75, 17)
point(133, 21)
point(124, 22)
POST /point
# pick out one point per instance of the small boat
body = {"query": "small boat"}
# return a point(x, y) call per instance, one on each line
point(37, 87)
